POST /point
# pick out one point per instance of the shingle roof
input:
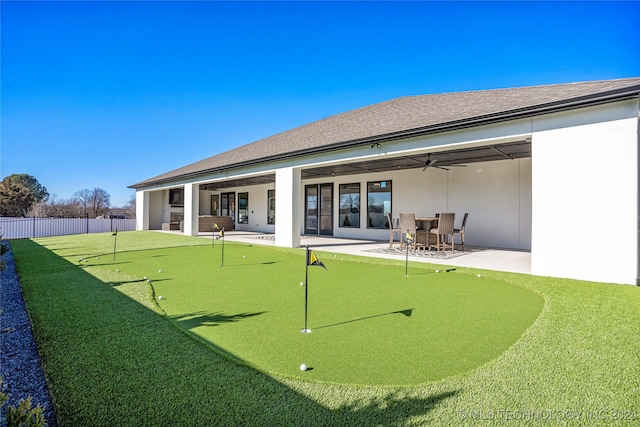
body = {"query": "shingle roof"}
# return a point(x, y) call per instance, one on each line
point(411, 115)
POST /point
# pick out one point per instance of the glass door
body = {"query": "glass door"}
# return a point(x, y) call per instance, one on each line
point(228, 206)
point(311, 209)
point(326, 209)
point(215, 205)
point(318, 200)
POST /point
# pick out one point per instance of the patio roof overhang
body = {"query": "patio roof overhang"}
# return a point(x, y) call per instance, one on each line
point(486, 153)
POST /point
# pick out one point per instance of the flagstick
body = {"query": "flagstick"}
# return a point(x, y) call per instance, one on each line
point(406, 262)
point(306, 292)
point(213, 238)
point(222, 247)
point(115, 238)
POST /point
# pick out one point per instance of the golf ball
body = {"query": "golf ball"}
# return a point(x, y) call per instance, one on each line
point(244, 256)
point(159, 271)
point(301, 284)
point(117, 270)
point(303, 367)
point(437, 271)
point(145, 278)
point(160, 297)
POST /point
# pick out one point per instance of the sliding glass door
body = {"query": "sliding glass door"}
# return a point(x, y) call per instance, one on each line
point(318, 216)
point(228, 206)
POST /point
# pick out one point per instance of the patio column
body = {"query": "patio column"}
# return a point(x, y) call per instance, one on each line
point(288, 207)
point(142, 210)
point(191, 209)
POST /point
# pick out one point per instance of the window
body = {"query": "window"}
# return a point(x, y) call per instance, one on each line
point(271, 207)
point(243, 208)
point(176, 197)
point(349, 214)
point(378, 203)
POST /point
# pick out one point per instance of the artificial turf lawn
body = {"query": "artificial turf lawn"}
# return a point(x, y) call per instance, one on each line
point(370, 323)
point(111, 361)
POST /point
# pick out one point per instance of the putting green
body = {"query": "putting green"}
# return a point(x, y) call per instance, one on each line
point(370, 323)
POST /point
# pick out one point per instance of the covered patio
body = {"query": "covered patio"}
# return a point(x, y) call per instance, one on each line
point(514, 261)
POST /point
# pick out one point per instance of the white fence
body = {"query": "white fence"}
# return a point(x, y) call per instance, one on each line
point(20, 228)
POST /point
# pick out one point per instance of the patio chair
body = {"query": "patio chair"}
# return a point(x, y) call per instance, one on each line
point(393, 231)
point(445, 228)
point(460, 230)
point(408, 225)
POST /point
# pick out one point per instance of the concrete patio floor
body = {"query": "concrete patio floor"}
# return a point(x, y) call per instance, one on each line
point(483, 258)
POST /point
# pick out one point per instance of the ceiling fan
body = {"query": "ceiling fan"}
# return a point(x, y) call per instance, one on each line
point(431, 163)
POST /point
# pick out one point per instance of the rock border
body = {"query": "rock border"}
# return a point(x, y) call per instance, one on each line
point(20, 364)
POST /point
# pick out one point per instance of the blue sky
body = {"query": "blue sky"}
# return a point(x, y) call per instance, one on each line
point(107, 94)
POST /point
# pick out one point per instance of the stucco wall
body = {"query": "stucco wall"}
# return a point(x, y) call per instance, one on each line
point(257, 209)
point(497, 196)
point(585, 194)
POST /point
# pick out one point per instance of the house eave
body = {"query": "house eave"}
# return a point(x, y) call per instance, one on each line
point(632, 92)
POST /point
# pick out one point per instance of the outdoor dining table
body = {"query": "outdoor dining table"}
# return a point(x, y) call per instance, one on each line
point(423, 225)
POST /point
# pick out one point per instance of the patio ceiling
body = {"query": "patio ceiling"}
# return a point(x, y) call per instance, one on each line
point(486, 153)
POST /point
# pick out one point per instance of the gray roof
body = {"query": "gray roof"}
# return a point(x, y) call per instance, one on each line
point(410, 116)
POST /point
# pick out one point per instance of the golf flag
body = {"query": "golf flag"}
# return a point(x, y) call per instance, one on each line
point(408, 237)
point(221, 233)
point(115, 237)
point(215, 227)
point(312, 259)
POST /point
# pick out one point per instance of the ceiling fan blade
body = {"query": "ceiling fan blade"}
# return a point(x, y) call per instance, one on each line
point(427, 164)
point(440, 167)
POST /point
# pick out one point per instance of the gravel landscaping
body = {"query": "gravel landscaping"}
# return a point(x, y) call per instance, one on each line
point(20, 366)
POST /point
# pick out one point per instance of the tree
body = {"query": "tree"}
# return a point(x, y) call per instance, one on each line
point(59, 208)
point(95, 202)
point(19, 193)
point(131, 207)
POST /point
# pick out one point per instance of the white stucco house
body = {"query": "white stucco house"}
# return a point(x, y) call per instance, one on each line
point(548, 169)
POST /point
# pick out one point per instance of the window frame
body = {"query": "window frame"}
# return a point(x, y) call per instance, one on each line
point(243, 219)
point(382, 220)
point(271, 213)
point(348, 221)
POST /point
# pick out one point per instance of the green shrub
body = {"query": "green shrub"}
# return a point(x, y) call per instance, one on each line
point(4, 248)
point(24, 415)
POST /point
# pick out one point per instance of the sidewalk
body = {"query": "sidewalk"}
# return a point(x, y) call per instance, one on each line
point(473, 257)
